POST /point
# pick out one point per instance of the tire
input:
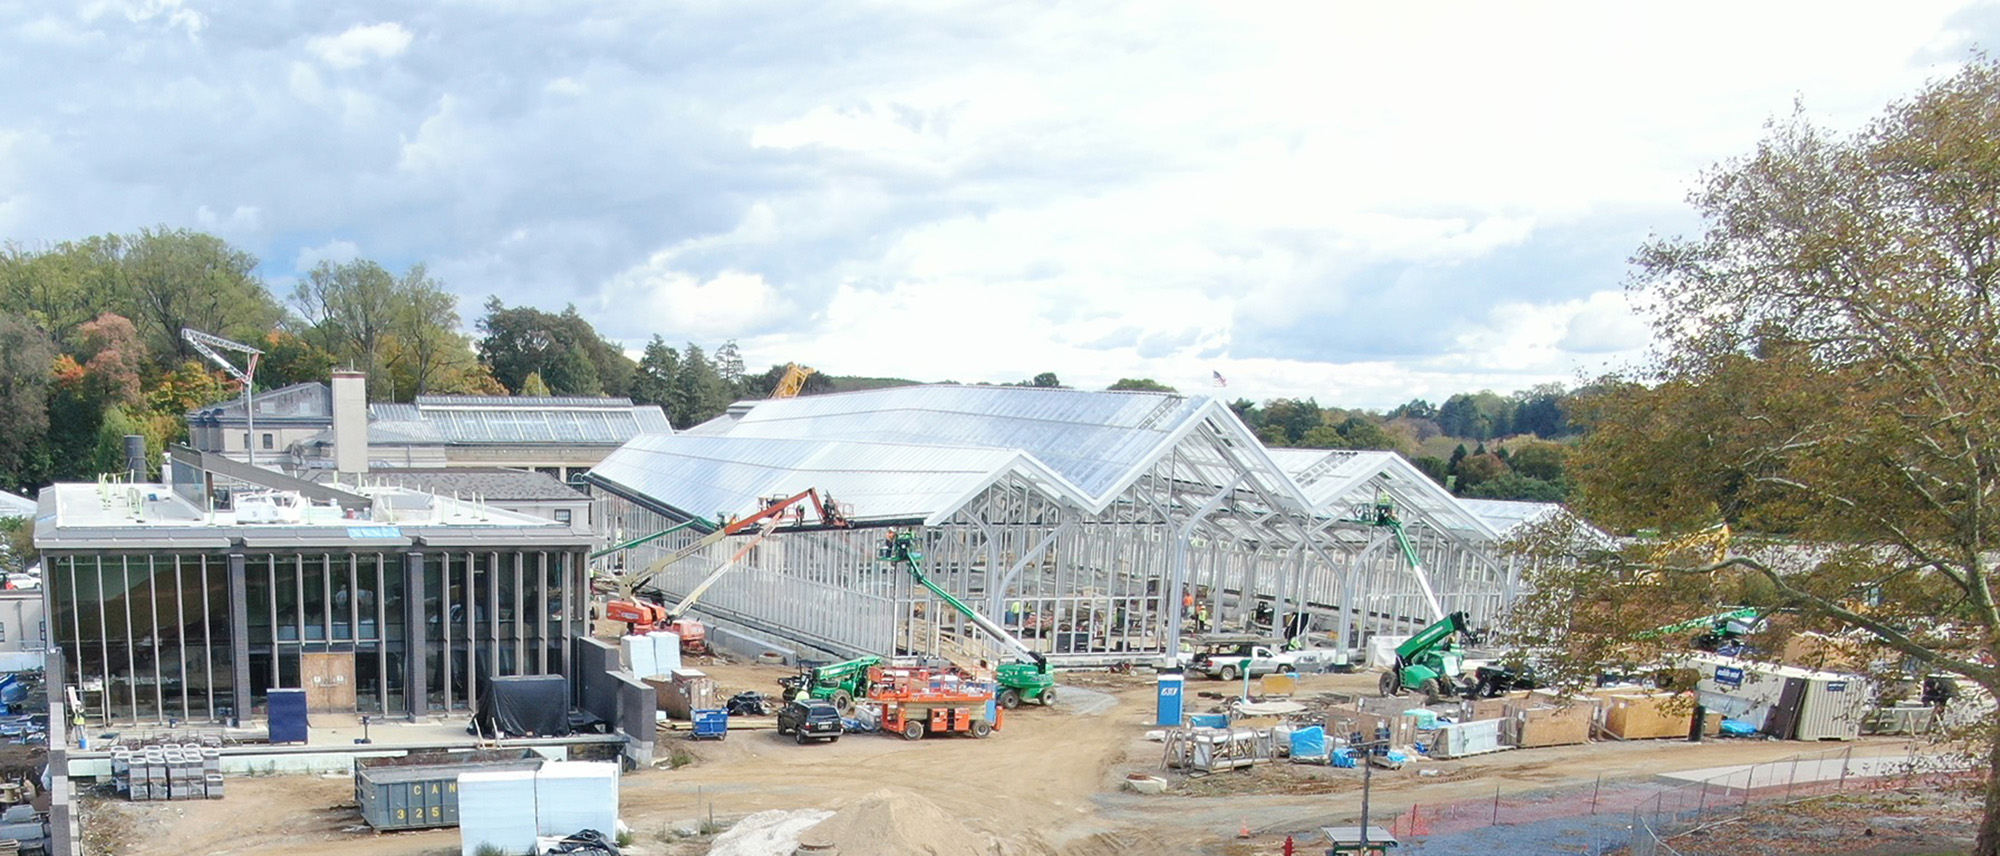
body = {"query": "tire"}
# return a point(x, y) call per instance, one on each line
point(913, 730)
point(782, 732)
point(1288, 669)
point(843, 702)
point(1390, 684)
point(1228, 673)
point(803, 738)
point(1010, 698)
point(982, 729)
point(1431, 689)
point(1048, 698)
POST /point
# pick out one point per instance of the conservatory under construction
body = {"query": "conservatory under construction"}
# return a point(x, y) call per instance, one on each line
point(1097, 526)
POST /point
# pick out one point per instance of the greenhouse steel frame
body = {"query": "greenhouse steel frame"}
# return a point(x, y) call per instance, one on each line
point(1083, 561)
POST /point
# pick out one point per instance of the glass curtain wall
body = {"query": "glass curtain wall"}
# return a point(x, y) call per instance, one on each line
point(147, 637)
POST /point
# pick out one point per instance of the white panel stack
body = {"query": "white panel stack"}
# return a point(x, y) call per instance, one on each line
point(572, 796)
point(496, 809)
point(639, 656)
point(666, 652)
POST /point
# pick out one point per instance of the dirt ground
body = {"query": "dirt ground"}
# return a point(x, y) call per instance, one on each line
point(1046, 784)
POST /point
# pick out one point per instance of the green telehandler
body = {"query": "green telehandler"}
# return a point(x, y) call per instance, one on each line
point(840, 683)
point(1427, 663)
point(1020, 681)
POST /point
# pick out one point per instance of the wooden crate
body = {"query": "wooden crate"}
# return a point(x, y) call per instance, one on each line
point(1650, 716)
point(1530, 726)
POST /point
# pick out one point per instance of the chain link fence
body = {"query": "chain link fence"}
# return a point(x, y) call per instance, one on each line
point(1731, 794)
point(1643, 816)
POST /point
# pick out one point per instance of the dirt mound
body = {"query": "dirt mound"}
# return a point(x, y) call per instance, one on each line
point(891, 822)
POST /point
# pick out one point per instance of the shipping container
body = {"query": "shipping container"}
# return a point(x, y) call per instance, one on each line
point(1784, 701)
point(421, 789)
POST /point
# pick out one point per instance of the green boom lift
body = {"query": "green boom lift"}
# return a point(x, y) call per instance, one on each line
point(1019, 682)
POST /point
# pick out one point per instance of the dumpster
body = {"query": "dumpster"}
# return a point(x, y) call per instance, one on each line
point(711, 724)
point(420, 790)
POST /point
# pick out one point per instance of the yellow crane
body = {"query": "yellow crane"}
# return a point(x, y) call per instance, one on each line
point(793, 382)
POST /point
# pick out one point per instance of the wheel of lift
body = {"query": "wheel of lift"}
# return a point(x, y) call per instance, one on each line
point(913, 730)
point(1010, 698)
point(981, 728)
point(1049, 697)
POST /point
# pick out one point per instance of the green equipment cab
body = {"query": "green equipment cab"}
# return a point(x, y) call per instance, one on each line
point(1427, 663)
point(840, 683)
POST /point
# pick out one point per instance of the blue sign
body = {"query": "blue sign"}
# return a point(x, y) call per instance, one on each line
point(1729, 676)
point(1836, 686)
point(374, 532)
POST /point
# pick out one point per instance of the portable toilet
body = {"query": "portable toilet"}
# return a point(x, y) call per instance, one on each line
point(1168, 707)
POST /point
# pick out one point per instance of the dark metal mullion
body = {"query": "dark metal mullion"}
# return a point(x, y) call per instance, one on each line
point(444, 622)
point(520, 626)
point(180, 631)
point(208, 642)
point(542, 612)
point(382, 636)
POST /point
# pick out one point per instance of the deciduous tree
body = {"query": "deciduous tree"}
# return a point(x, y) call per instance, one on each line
point(1829, 385)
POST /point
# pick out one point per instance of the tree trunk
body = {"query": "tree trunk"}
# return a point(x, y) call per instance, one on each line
point(1988, 843)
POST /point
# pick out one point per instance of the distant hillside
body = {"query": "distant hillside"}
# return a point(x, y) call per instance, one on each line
point(850, 383)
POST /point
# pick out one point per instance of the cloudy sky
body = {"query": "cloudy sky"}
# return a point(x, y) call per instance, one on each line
point(1349, 201)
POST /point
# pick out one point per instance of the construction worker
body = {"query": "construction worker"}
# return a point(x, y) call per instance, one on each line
point(1201, 617)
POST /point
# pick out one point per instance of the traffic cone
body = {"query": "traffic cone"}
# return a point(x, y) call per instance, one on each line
point(1244, 831)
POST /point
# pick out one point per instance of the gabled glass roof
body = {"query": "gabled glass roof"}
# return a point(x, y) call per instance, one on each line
point(1094, 439)
point(703, 476)
point(494, 419)
point(1338, 480)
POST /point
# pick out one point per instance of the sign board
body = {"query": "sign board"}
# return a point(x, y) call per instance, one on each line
point(374, 532)
point(1729, 676)
point(1836, 686)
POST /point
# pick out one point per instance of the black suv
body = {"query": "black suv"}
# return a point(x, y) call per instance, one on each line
point(810, 719)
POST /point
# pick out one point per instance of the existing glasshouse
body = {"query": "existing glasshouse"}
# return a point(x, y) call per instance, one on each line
point(1098, 526)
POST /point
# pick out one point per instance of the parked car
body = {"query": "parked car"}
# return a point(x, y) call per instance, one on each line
point(810, 719)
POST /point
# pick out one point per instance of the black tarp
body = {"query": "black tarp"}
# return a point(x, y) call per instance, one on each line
point(524, 706)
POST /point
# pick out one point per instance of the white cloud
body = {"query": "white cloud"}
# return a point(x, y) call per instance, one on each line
point(1360, 203)
point(361, 44)
point(730, 305)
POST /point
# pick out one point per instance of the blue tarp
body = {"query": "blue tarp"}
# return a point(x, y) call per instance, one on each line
point(1738, 728)
point(1208, 720)
point(1309, 743)
point(1342, 757)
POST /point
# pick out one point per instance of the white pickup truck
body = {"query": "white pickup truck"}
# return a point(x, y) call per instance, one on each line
point(1229, 662)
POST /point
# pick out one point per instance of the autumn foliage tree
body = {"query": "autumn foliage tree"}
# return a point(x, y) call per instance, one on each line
point(1829, 386)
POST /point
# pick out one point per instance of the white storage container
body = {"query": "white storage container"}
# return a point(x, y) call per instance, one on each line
point(498, 809)
point(571, 796)
point(666, 652)
point(640, 656)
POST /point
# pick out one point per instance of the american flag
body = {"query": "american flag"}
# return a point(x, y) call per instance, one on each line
point(1220, 380)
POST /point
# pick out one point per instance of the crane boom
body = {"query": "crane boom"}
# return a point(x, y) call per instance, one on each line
point(793, 382)
point(829, 514)
point(1383, 514)
point(210, 346)
point(900, 547)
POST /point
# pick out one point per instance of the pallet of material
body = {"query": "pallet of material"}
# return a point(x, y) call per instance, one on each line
point(1650, 716)
point(1469, 738)
point(1343, 721)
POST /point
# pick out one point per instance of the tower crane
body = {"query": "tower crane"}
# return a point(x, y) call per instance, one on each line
point(211, 346)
